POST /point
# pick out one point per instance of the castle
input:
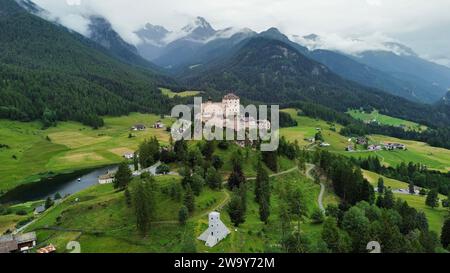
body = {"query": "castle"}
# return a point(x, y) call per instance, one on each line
point(215, 113)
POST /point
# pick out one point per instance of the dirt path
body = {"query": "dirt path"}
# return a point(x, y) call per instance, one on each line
point(309, 168)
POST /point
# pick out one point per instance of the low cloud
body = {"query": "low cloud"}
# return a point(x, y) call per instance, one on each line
point(340, 22)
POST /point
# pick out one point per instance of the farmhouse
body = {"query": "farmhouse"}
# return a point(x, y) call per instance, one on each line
point(216, 231)
point(394, 146)
point(138, 127)
point(17, 243)
point(128, 155)
point(107, 178)
point(48, 249)
point(374, 148)
point(362, 140)
point(158, 125)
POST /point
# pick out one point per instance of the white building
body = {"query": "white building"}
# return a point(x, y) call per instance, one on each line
point(216, 231)
point(107, 178)
point(216, 114)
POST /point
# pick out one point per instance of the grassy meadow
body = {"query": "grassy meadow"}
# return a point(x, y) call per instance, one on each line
point(417, 152)
point(34, 152)
point(435, 216)
point(171, 94)
point(386, 120)
point(102, 222)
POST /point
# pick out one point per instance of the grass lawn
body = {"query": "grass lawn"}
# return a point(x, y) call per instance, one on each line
point(172, 94)
point(307, 128)
point(386, 120)
point(102, 209)
point(417, 152)
point(34, 152)
point(435, 216)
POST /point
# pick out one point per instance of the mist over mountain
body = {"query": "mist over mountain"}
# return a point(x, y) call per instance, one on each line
point(49, 71)
point(270, 67)
point(101, 32)
point(271, 71)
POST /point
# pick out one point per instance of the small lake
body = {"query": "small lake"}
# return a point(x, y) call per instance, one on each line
point(64, 184)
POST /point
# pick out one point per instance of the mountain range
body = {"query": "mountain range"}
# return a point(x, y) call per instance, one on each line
point(402, 73)
point(48, 71)
point(48, 68)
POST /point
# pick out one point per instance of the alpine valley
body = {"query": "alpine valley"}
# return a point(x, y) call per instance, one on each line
point(87, 154)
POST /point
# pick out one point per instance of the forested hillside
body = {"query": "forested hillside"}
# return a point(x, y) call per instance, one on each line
point(272, 71)
point(52, 74)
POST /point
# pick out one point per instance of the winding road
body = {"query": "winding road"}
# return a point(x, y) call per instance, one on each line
point(309, 168)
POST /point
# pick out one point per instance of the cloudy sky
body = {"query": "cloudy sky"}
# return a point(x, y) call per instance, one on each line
point(422, 25)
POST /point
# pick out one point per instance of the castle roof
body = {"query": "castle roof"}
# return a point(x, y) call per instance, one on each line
point(230, 96)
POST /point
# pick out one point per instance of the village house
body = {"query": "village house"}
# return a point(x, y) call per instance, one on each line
point(39, 210)
point(374, 147)
point(107, 178)
point(48, 249)
point(158, 125)
point(138, 127)
point(216, 231)
point(362, 141)
point(394, 146)
point(128, 155)
point(12, 243)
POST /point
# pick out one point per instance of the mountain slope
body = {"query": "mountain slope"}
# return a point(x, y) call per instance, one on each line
point(102, 33)
point(272, 71)
point(50, 73)
point(409, 67)
point(350, 69)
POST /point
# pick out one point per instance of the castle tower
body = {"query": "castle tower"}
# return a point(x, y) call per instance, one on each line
point(216, 231)
point(231, 105)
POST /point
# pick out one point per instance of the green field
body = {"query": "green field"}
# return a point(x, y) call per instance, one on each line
point(307, 128)
point(417, 152)
point(69, 146)
point(101, 221)
point(375, 116)
point(183, 94)
point(435, 216)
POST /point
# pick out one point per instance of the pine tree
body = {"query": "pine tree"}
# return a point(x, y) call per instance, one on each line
point(380, 185)
point(330, 235)
point(135, 161)
point(261, 183)
point(432, 199)
point(197, 183)
point(264, 211)
point(411, 188)
point(183, 215)
point(445, 234)
point(189, 199)
point(123, 176)
point(48, 203)
point(149, 152)
point(237, 175)
point(235, 209)
point(143, 195)
point(128, 197)
point(213, 178)
point(388, 200)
